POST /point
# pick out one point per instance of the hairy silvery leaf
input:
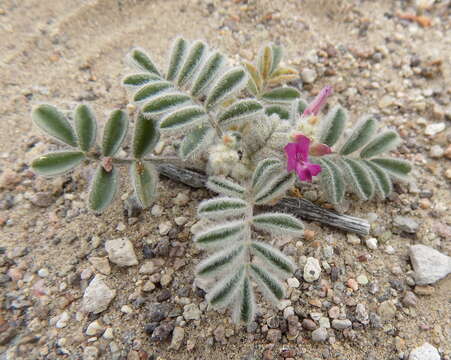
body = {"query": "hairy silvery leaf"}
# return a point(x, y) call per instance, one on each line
point(164, 103)
point(361, 134)
point(146, 136)
point(103, 189)
point(274, 258)
point(85, 127)
point(275, 188)
point(182, 118)
point(255, 81)
point(208, 73)
point(225, 187)
point(272, 288)
point(142, 61)
point(139, 79)
point(151, 90)
point(244, 307)
point(196, 140)
point(221, 262)
point(222, 207)
point(302, 105)
point(380, 178)
point(54, 123)
point(240, 111)
point(282, 75)
point(278, 223)
point(57, 163)
point(192, 62)
point(332, 180)
point(281, 111)
point(178, 52)
point(383, 142)
point(226, 86)
point(277, 54)
point(281, 95)
point(114, 132)
point(397, 168)
point(223, 293)
point(264, 61)
point(359, 177)
point(264, 170)
point(332, 126)
point(222, 235)
point(144, 179)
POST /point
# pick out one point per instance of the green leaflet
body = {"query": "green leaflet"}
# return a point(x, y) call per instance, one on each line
point(57, 163)
point(224, 186)
point(245, 307)
point(49, 119)
point(255, 81)
point(85, 127)
point(264, 61)
point(264, 169)
point(271, 286)
point(240, 111)
point(208, 73)
point(144, 179)
point(153, 89)
point(146, 136)
point(380, 178)
point(361, 134)
point(222, 207)
point(397, 168)
point(278, 223)
point(302, 105)
point(183, 117)
point(165, 103)
point(114, 132)
point(178, 53)
point(221, 235)
point(227, 85)
point(275, 188)
point(386, 141)
point(219, 262)
point(332, 180)
point(142, 61)
point(281, 95)
point(332, 126)
point(283, 113)
point(273, 257)
point(139, 79)
point(192, 62)
point(360, 178)
point(196, 140)
point(103, 189)
point(223, 293)
point(277, 54)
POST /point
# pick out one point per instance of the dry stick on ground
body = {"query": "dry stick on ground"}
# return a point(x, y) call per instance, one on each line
point(300, 207)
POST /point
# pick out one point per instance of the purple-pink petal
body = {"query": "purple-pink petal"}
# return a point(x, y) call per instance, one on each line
point(291, 151)
point(303, 143)
point(314, 169)
point(315, 106)
point(303, 173)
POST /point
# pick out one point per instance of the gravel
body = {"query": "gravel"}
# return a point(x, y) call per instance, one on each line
point(121, 252)
point(429, 264)
point(320, 335)
point(97, 295)
point(424, 352)
point(312, 270)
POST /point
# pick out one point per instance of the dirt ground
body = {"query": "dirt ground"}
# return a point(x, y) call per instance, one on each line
point(66, 51)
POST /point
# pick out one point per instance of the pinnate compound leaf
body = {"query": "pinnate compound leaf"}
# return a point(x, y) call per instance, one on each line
point(85, 127)
point(57, 163)
point(220, 262)
point(114, 132)
point(151, 90)
point(144, 179)
point(275, 188)
point(244, 307)
point(332, 181)
point(103, 189)
point(361, 134)
point(381, 179)
point(49, 119)
point(359, 177)
point(226, 187)
point(223, 293)
point(221, 235)
point(142, 61)
point(383, 142)
point(281, 95)
point(222, 207)
point(332, 126)
point(274, 258)
point(146, 136)
point(397, 168)
point(208, 73)
point(196, 140)
point(226, 86)
point(192, 62)
point(182, 118)
point(139, 79)
point(165, 103)
point(240, 111)
point(263, 171)
point(278, 223)
point(178, 53)
point(272, 288)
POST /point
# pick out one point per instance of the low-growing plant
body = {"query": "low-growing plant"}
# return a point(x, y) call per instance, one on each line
point(250, 133)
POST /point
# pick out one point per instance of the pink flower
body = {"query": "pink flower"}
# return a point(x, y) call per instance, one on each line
point(315, 106)
point(297, 154)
